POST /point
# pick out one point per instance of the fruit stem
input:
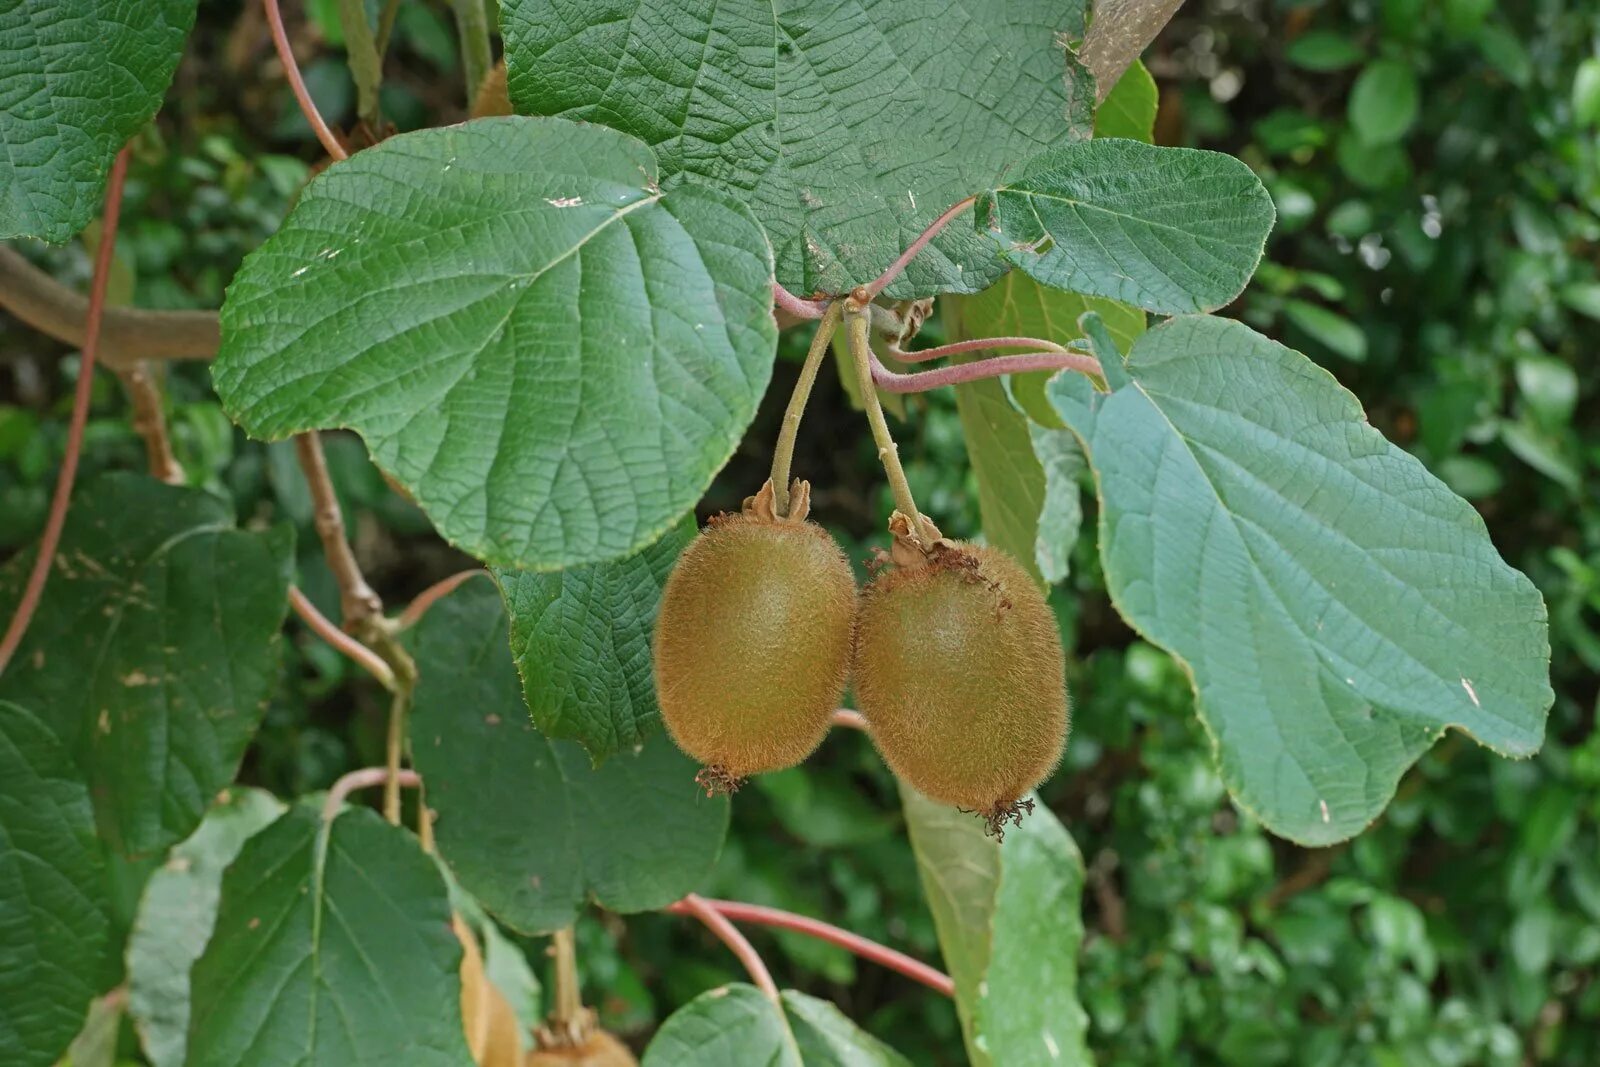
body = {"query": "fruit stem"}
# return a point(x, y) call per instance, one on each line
point(394, 748)
point(783, 454)
point(566, 1015)
point(858, 323)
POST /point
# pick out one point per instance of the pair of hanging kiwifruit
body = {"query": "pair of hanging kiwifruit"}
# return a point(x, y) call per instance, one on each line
point(955, 656)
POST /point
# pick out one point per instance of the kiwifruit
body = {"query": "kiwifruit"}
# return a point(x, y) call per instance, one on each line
point(752, 645)
point(494, 1036)
point(491, 97)
point(599, 1049)
point(958, 671)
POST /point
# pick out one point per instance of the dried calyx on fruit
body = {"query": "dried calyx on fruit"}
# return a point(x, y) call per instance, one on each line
point(752, 645)
point(597, 1049)
point(958, 670)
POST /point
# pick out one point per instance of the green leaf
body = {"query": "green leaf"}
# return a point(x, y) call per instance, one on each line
point(176, 915)
point(1129, 110)
point(1061, 515)
point(153, 650)
point(332, 948)
point(1586, 92)
point(1011, 480)
point(1009, 925)
point(507, 969)
point(527, 827)
point(1384, 101)
point(549, 354)
point(81, 78)
point(1328, 328)
point(1166, 229)
point(731, 1026)
point(1323, 50)
point(1337, 607)
point(826, 1037)
point(55, 927)
point(736, 1025)
point(1026, 465)
point(96, 1043)
point(847, 129)
point(581, 641)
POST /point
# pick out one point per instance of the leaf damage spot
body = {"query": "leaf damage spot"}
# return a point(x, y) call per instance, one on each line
point(565, 201)
point(1472, 694)
point(1326, 817)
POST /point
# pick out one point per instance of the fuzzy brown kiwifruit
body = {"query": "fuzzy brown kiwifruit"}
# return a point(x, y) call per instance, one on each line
point(599, 1049)
point(958, 671)
point(752, 645)
point(491, 97)
point(494, 1036)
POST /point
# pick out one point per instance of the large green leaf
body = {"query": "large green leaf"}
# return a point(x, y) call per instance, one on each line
point(736, 1026)
point(55, 926)
point(1011, 480)
point(1009, 925)
point(332, 948)
point(80, 77)
point(176, 915)
point(1337, 606)
point(1027, 469)
point(1129, 110)
point(847, 129)
point(551, 355)
point(1166, 229)
point(153, 650)
point(527, 826)
point(581, 639)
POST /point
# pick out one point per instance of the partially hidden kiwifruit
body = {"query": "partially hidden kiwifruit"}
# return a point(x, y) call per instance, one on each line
point(958, 671)
point(494, 1036)
point(752, 645)
point(599, 1049)
point(491, 97)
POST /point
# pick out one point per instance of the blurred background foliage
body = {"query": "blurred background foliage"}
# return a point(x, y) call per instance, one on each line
point(1434, 166)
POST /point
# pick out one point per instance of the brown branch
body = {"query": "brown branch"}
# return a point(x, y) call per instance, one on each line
point(297, 84)
point(57, 517)
point(864, 947)
point(357, 601)
point(1113, 912)
point(1119, 32)
point(341, 641)
point(150, 422)
point(127, 335)
point(1313, 872)
point(425, 599)
point(364, 778)
point(993, 367)
point(730, 936)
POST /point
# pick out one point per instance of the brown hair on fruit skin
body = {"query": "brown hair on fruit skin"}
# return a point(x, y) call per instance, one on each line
point(958, 670)
point(599, 1049)
point(753, 641)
